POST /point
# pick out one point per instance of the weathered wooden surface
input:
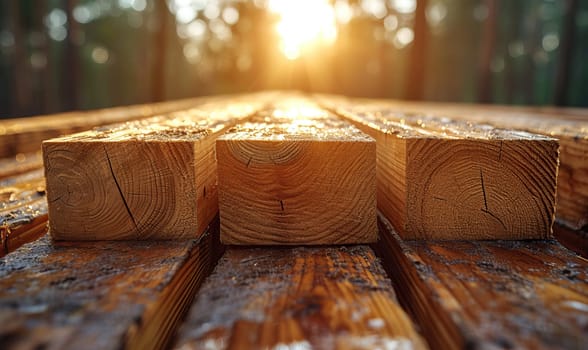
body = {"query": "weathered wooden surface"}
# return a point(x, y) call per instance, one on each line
point(298, 298)
point(447, 179)
point(491, 294)
point(148, 179)
point(20, 163)
point(570, 129)
point(23, 210)
point(100, 295)
point(297, 175)
point(24, 135)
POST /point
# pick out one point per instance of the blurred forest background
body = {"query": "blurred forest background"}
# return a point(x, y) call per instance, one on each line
point(58, 55)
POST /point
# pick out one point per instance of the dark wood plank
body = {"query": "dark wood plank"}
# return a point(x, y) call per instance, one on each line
point(491, 294)
point(100, 295)
point(298, 298)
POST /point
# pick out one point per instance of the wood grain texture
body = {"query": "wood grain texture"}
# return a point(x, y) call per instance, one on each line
point(148, 179)
point(24, 135)
point(298, 298)
point(490, 294)
point(23, 210)
point(296, 176)
point(570, 127)
point(100, 295)
point(440, 178)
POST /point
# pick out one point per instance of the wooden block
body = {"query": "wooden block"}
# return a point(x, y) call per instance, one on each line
point(148, 179)
point(445, 179)
point(569, 126)
point(296, 176)
point(100, 295)
point(298, 298)
point(490, 294)
point(23, 210)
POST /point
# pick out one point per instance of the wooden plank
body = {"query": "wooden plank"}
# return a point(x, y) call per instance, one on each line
point(569, 127)
point(572, 185)
point(23, 210)
point(490, 294)
point(148, 179)
point(298, 298)
point(24, 135)
point(447, 179)
point(100, 295)
point(296, 175)
point(20, 163)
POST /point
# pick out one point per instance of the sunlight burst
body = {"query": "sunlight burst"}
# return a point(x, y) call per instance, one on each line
point(303, 23)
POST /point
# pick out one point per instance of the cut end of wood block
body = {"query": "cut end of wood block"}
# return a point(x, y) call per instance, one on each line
point(296, 191)
point(482, 190)
point(128, 190)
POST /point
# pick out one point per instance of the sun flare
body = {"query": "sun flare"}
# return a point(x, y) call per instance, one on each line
point(302, 24)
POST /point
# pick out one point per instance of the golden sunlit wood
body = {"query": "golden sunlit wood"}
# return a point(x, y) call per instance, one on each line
point(149, 179)
point(296, 175)
point(298, 298)
point(444, 179)
point(569, 127)
point(24, 135)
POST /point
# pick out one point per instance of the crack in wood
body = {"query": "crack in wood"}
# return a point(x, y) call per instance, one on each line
point(500, 152)
point(483, 190)
point(495, 217)
point(485, 209)
point(120, 191)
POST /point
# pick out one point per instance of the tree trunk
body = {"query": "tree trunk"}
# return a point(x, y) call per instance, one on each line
point(160, 47)
point(567, 39)
point(71, 70)
point(416, 72)
point(488, 46)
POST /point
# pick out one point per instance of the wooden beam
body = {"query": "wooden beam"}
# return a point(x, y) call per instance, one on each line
point(100, 295)
point(490, 294)
point(298, 298)
point(20, 163)
point(296, 175)
point(569, 126)
point(23, 210)
point(447, 179)
point(148, 179)
point(24, 135)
